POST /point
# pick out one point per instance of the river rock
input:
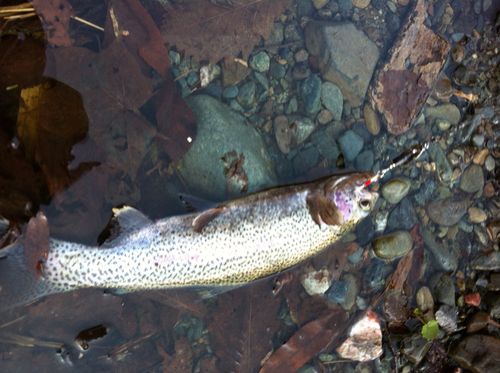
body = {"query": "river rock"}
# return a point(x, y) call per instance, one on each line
point(473, 179)
point(392, 246)
point(305, 126)
point(415, 346)
point(325, 141)
point(352, 291)
point(221, 130)
point(260, 62)
point(403, 217)
point(445, 257)
point(478, 353)
point(247, 93)
point(362, 4)
point(364, 161)
point(444, 290)
point(372, 120)
point(337, 292)
point(345, 56)
point(448, 211)
point(350, 144)
point(448, 112)
point(283, 133)
point(311, 94)
point(331, 97)
point(477, 215)
point(395, 190)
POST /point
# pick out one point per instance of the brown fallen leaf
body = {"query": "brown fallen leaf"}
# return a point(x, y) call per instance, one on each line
point(36, 244)
point(401, 273)
point(307, 343)
point(418, 257)
point(55, 15)
point(242, 326)
point(210, 30)
point(180, 361)
point(396, 305)
point(113, 89)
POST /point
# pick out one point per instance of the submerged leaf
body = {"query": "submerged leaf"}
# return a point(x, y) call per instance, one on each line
point(55, 15)
point(36, 244)
point(430, 330)
point(206, 29)
point(306, 343)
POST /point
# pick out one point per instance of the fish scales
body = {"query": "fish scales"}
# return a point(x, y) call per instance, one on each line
point(242, 240)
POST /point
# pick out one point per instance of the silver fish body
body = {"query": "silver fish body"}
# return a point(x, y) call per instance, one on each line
point(238, 241)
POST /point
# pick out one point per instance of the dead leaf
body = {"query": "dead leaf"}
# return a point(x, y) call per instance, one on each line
point(396, 305)
point(180, 361)
point(113, 89)
point(55, 15)
point(401, 273)
point(242, 326)
point(176, 122)
point(307, 343)
point(36, 244)
point(210, 30)
point(235, 175)
point(180, 299)
point(43, 128)
point(418, 257)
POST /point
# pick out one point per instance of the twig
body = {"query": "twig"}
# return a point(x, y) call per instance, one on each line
point(87, 23)
point(391, 348)
point(12, 322)
point(279, 46)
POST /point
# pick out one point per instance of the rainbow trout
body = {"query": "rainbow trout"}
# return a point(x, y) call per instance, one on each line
point(236, 242)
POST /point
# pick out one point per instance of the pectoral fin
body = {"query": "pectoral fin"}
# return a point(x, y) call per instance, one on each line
point(323, 210)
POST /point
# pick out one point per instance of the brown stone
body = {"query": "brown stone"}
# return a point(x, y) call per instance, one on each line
point(372, 120)
point(234, 74)
point(488, 190)
point(478, 353)
point(401, 87)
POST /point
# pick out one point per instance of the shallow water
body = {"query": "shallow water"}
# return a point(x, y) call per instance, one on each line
point(105, 125)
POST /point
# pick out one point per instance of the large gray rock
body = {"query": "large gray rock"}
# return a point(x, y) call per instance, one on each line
point(221, 130)
point(346, 56)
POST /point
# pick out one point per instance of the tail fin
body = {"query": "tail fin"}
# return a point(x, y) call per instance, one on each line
point(17, 285)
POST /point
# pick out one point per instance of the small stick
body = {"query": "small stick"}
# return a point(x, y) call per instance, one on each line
point(87, 23)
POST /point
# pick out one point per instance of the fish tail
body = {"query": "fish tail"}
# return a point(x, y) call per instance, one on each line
point(17, 284)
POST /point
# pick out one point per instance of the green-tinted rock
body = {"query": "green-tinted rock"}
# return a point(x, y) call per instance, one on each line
point(395, 190)
point(392, 246)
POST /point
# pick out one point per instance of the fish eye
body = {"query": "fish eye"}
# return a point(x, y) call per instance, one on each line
point(364, 204)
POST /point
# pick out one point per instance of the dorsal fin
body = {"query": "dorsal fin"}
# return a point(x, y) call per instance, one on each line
point(194, 204)
point(323, 210)
point(124, 221)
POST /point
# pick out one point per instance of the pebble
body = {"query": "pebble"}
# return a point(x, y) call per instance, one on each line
point(301, 55)
point(352, 291)
point(332, 98)
point(395, 190)
point(487, 262)
point(392, 20)
point(392, 246)
point(477, 322)
point(360, 129)
point(292, 106)
point(318, 4)
point(316, 282)
point(381, 221)
point(489, 163)
point(449, 112)
point(361, 4)
point(478, 353)
point(305, 127)
point(283, 133)
point(324, 117)
point(345, 5)
point(374, 274)
point(446, 316)
point(425, 300)
point(488, 190)
point(391, 6)
point(447, 212)
point(480, 156)
point(308, 158)
point(311, 94)
point(365, 231)
point(472, 179)
point(444, 256)
point(260, 62)
point(301, 72)
point(277, 70)
point(324, 139)
point(403, 217)
point(230, 92)
point(246, 93)
point(443, 165)
point(261, 79)
point(350, 144)
point(276, 36)
point(444, 290)
point(364, 161)
point(477, 215)
point(337, 292)
point(372, 120)
point(415, 347)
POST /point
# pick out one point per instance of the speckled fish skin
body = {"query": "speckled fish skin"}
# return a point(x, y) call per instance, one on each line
point(248, 238)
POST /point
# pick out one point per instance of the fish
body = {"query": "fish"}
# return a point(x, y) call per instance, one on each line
point(231, 244)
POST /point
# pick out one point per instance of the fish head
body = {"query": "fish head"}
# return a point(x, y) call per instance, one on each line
point(354, 201)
